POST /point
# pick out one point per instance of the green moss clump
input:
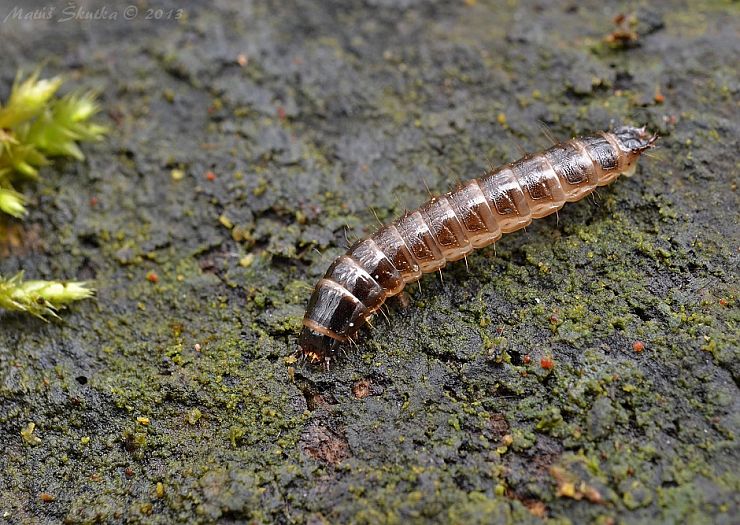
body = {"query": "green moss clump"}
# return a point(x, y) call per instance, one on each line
point(40, 298)
point(34, 126)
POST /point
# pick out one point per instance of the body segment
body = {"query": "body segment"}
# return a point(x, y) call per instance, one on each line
point(448, 227)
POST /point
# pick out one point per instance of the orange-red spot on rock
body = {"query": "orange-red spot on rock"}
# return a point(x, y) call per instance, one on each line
point(659, 97)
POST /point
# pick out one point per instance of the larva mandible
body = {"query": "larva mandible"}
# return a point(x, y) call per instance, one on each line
point(448, 227)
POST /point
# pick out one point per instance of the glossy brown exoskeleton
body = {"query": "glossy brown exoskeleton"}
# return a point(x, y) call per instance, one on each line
point(448, 227)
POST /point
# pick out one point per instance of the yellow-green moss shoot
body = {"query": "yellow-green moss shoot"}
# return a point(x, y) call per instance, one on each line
point(35, 125)
point(40, 298)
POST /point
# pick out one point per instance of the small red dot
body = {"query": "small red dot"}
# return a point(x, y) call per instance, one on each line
point(93, 201)
point(638, 346)
point(547, 363)
point(210, 176)
point(281, 112)
point(152, 277)
point(527, 359)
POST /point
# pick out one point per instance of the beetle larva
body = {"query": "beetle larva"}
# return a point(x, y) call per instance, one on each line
point(448, 227)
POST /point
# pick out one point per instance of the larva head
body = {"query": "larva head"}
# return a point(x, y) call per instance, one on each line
point(315, 347)
point(632, 143)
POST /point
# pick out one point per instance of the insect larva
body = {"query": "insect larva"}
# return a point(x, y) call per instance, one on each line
point(448, 227)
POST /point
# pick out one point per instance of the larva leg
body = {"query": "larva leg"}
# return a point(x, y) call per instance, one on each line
point(404, 300)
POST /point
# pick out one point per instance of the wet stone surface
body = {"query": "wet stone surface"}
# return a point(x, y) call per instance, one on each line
point(510, 392)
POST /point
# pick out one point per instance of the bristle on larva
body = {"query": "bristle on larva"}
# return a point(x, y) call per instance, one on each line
point(446, 228)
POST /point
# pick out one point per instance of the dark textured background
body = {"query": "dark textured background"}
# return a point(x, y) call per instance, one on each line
point(445, 413)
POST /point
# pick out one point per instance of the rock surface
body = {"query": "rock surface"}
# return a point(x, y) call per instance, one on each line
point(249, 141)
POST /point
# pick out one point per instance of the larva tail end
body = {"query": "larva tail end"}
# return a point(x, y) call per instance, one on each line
point(635, 140)
point(316, 348)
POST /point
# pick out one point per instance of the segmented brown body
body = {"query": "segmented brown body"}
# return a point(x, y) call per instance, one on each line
point(448, 227)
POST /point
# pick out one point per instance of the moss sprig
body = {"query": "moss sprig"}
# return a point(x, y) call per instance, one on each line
point(35, 125)
point(12, 202)
point(40, 298)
